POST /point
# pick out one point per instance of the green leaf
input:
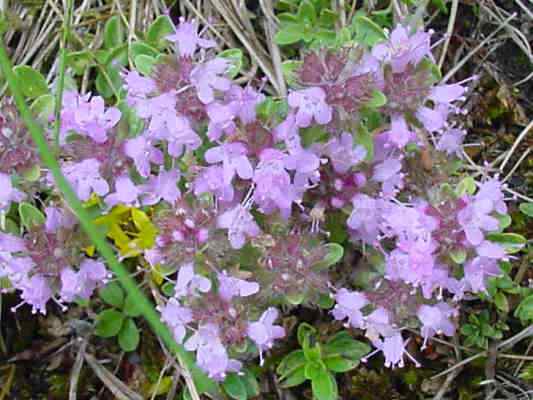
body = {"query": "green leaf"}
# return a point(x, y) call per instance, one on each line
point(458, 255)
point(161, 386)
point(314, 369)
point(469, 330)
point(107, 88)
point(43, 107)
point(288, 18)
point(79, 61)
point(342, 344)
point(168, 289)
point(306, 12)
point(113, 32)
point(290, 363)
point(313, 134)
point(139, 48)
point(289, 69)
point(324, 37)
point(364, 138)
point(273, 110)
point(313, 354)
point(32, 174)
point(466, 186)
point(527, 373)
point(504, 220)
point(250, 382)
point(434, 70)
point(10, 226)
point(30, 216)
point(144, 64)
point(512, 242)
point(304, 331)
point(500, 300)
point(289, 34)
point(524, 311)
point(294, 378)
point(324, 386)
point(334, 253)
point(109, 323)
point(236, 58)
point(30, 81)
point(441, 5)
point(327, 18)
point(339, 364)
point(131, 307)
point(160, 28)
point(527, 208)
point(117, 56)
point(367, 32)
point(336, 226)
point(234, 387)
point(112, 294)
point(325, 301)
point(295, 298)
point(378, 100)
point(128, 337)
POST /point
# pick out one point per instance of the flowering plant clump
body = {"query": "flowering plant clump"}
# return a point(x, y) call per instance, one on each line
point(238, 204)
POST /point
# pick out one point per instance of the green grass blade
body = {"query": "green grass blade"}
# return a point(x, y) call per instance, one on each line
point(128, 283)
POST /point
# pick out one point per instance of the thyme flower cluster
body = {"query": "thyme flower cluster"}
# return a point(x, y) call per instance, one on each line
point(245, 191)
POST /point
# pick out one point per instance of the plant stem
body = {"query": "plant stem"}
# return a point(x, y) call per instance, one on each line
point(61, 73)
point(105, 250)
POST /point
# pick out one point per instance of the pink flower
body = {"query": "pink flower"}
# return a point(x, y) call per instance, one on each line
point(189, 283)
point(163, 186)
point(81, 284)
point(399, 134)
point(211, 355)
point(393, 348)
point(240, 224)
point(211, 180)
point(221, 118)
point(36, 292)
point(87, 117)
point(141, 150)
point(58, 218)
point(234, 160)
point(274, 188)
point(477, 271)
point(475, 219)
point(208, 77)
point(451, 140)
point(402, 49)
point(365, 217)
point(176, 317)
point(343, 154)
point(229, 287)
point(436, 320)
point(349, 305)
point(263, 332)
point(389, 173)
point(181, 137)
point(125, 192)
point(188, 39)
point(243, 102)
point(9, 194)
point(311, 103)
point(138, 87)
point(85, 178)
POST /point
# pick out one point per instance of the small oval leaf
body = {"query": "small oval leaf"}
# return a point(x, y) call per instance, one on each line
point(128, 337)
point(31, 81)
point(30, 216)
point(109, 323)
